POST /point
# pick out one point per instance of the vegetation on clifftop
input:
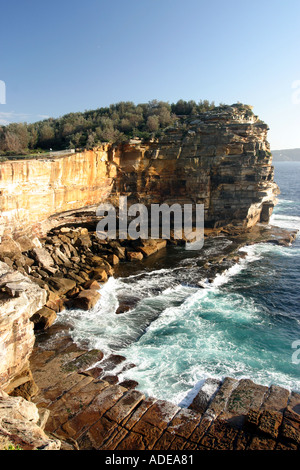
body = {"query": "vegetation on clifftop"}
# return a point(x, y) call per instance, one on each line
point(115, 124)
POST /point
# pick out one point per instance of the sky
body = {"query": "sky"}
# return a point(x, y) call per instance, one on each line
point(64, 56)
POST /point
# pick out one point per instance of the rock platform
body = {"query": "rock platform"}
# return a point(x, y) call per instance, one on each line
point(91, 410)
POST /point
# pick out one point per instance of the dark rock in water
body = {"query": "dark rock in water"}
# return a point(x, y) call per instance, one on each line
point(205, 395)
point(126, 305)
point(112, 361)
point(111, 379)
point(123, 309)
point(127, 367)
point(129, 384)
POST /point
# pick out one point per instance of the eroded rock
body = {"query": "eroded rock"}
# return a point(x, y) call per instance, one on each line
point(86, 299)
point(20, 425)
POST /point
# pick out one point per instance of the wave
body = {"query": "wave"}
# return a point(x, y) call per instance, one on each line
point(223, 278)
point(283, 202)
point(285, 221)
point(178, 332)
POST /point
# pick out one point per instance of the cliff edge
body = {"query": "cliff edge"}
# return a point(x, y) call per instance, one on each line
point(220, 158)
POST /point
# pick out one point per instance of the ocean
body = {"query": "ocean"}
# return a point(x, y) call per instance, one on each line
point(181, 330)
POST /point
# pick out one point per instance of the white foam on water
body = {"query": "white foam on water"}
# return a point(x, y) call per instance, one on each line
point(223, 278)
point(103, 329)
point(285, 221)
point(179, 335)
point(283, 202)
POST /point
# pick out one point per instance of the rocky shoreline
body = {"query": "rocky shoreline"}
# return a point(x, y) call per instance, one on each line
point(51, 260)
point(70, 265)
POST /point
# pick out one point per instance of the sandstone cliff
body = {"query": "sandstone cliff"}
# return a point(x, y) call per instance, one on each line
point(22, 425)
point(20, 298)
point(221, 159)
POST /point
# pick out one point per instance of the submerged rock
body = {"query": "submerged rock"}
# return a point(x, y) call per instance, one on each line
point(134, 256)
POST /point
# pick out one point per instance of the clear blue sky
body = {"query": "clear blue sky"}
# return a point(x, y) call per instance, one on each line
point(69, 55)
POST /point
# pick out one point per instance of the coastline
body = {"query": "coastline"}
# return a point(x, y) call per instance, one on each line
point(93, 369)
point(75, 385)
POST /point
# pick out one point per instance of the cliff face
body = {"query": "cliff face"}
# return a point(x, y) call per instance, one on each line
point(20, 298)
point(221, 159)
point(32, 191)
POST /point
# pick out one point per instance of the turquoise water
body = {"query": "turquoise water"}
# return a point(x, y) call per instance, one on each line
point(178, 333)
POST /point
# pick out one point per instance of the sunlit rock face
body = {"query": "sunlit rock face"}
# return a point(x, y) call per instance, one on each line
point(20, 298)
point(34, 190)
point(220, 159)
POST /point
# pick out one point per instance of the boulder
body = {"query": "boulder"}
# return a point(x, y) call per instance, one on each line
point(20, 426)
point(92, 284)
point(129, 384)
point(149, 247)
point(99, 274)
point(120, 251)
point(62, 257)
point(44, 258)
point(25, 243)
point(148, 250)
point(113, 259)
point(84, 239)
point(54, 302)
point(43, 318)
point(134, 256)
point(61, 285)
point(10, 249)
point(86, 299)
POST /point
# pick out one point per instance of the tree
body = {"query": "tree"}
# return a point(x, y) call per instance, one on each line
point(116, 123)
point(153, 123)
point(46, 135)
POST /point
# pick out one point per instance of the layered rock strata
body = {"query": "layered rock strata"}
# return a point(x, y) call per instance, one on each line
point(22, 425)
point(220, 159)
point(20, 298)
point(40, 278)
point(91, 411)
